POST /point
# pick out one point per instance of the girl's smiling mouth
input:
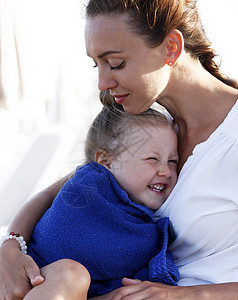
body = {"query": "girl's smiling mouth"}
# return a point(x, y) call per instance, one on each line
point(159, 187)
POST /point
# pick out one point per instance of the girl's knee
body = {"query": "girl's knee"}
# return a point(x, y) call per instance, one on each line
point(64, 279)
point(69, 272)
point(76, 270)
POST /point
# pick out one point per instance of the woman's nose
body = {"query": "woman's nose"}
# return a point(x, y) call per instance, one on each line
point(163, 169)
point(105, 81)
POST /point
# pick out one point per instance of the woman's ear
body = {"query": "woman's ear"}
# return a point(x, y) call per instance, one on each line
point(103, 158)
point(175, 45)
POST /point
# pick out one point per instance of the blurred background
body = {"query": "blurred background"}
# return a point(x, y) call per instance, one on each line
point(48, 89)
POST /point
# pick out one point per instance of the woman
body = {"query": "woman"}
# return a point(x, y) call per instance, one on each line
point(149, 51)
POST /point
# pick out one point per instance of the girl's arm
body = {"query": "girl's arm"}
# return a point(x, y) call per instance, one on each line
point(18, 272)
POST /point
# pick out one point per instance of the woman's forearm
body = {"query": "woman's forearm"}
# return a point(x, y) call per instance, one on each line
point(228, 291)
point(26, 218)
point(136, 289)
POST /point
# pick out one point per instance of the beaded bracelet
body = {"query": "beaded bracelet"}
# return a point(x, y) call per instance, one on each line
point(17, 237)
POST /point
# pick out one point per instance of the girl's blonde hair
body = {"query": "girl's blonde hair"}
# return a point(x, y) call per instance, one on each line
point(110, 131)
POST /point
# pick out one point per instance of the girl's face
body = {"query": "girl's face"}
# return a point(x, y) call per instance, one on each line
point(147, 169)
point(134, 73)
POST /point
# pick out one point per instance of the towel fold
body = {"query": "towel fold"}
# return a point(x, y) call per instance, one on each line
point(93, 221)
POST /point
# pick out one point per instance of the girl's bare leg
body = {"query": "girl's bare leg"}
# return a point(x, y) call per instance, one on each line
point(64, 280)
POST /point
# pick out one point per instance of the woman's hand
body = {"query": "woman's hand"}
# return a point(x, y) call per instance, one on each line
point(18, 272)
point(137, 290)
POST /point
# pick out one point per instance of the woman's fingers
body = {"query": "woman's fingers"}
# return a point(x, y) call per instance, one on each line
point(18, 272)
point(27, 274)
point(128, 291)
point(128, 281)
point(146, 290)
point(32, 272)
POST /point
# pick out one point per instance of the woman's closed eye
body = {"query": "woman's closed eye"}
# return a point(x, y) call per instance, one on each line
point(95, 64)
point(118, 67)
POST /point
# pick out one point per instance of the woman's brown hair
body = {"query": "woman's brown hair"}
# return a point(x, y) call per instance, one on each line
point(155, 19)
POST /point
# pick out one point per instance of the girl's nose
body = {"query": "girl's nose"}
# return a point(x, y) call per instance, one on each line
point(163, 169)
point(105, 81)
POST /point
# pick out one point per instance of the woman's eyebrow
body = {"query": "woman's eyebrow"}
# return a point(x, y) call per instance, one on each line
point(108, 52)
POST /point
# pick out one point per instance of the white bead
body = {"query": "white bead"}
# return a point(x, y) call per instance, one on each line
point(19, 239)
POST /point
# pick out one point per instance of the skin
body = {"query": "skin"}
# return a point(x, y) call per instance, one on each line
point(198, 102)
point(133, 84)
point(60, 281)
point(156, 160)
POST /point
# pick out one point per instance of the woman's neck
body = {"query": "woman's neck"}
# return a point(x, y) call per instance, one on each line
point(198, 103)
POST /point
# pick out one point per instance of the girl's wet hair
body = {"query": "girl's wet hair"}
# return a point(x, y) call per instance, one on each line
point(110, 131)
point(155, 19)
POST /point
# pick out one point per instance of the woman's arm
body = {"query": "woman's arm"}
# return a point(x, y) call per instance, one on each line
point(137, 290)
point(25, 220)
point(18, 272)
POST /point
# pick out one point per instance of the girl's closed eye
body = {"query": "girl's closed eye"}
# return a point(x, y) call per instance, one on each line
point(155, 159)
point(173, 161)
point(152, 158)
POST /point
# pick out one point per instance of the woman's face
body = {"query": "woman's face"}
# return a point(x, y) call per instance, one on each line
point(134, 74)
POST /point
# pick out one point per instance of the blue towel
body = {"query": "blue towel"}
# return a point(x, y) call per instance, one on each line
point(93, 221)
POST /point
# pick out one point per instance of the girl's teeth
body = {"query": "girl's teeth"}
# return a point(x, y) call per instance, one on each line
point(157, 187)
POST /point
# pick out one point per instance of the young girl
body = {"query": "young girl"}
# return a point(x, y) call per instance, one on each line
point(103, 215)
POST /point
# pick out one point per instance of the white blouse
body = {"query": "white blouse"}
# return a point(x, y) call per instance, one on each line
point(203, 209)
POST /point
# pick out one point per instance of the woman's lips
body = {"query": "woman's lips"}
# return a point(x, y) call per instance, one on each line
point(120, 98)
